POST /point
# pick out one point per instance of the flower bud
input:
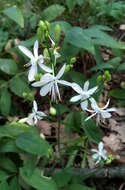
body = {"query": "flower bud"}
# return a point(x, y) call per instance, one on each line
point(38, 76)
point(25, 95)
point(72, 60)
point(57, 33)
point(47, 24)
point(52, 111)
point(123, 84)
point(107, 76)
point(99, 79)
point(68, 67)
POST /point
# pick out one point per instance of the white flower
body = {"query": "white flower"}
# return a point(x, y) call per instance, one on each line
point(50, 84)
point(100, 153)
point(57, 55)
point(35, 115)
point(84, 94)
point(101, 112)
point(35, 60)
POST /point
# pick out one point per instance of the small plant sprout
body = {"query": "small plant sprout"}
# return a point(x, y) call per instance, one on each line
point(50, 82)
point(36, 115)
point(84, 94)
point(102, 112)
point(100, 153)
point(35, 60)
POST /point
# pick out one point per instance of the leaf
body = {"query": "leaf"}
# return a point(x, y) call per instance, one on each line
point(7, 164)
point(8, 66)
point(80, 2)
point(91, 129)
point(9, 146)
point(15, 14)
point(61, 108)
point(18, 86)
point(33, 144)
point(71, 4)
point(5, 101)
point(29, 42)
point(101, 66)
point(79, 187)
point(78, 38)
point(4, 186)
point(30, 162)
point(14, 184)
point(76, 77)
point(3, 175)
point(117, 93)
point(121, 67)
point(62, 178)
point(38, 181)
point(52, 12)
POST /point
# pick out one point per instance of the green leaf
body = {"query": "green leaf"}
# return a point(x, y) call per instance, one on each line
point(15, 14)
point(4, 186)
point(18, 86)
point(9, 146)
point(80, 2)
point(33, 144)
point(71, 4)
point(7, 164)
point(61, 108)
point(79, 187)
point(121, 67)
point(30, 162)
point(29, 42)
point(117, 93)
point(14, 184)
point(8, 66)
point(101, 66)
point(65, 26)
point(5, 101)
point(52, 12)
point(76, 77)
point(62, 178)
point(91, 129)
point(3, 175)
point(78, 38)
point(38, 181)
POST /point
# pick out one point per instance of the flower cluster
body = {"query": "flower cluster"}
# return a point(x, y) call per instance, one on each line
point(49, 85)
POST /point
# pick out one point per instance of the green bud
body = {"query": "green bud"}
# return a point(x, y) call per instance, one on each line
point(25, 95)
point(40, 34)
point(107, 76)
point(123, 84)
point(57, 33)
point(99, 79)
point(30, 97)
point(42, 25)
point(72, 60)
point(109, 159)
point(68, 67)
point(52, 111)
point(38, 76)
point(47, 24)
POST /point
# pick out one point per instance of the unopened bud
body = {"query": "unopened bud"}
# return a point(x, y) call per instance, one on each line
point(107, 76)
point(25, 95)
point(68, 67)
point(122, 85)
point(72, 60)
point(57, 33)
point(38, 76)
point(99, 79)
point(52, 111)
point(47, 24)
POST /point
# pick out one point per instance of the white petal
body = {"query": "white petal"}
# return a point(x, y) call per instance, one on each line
point(75, 98)
point(35, 106)
point(111, 109)
point(94, 150)
point(86, 85)
point(57, 90)
point(32, 72)
point(53, 93)
point(60, 73)
point(94, 104)
point(35, 120)
point(107, 104)
point(92, 90)
point(105, 115)
point(45, 89)
point(90, 116)
point(98, 160)
point(64, 82)
point(36, 49)
point(44, 80)
point(77, 88)
point(100, 146)
point(53, 43)
point(27, 52)
point(95, 156)
point(84, 105)
point(41, 114)
point(45, 68)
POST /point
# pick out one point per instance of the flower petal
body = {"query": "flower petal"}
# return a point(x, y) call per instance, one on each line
point(44, 80)
point(57, 90)
point(32, 72)
point(90, 116)
point(41, 114)
point(64, 82)
point(35, 106)
point(86, 86)
point(45, 68)
point(84, 105)
point(105, 114)
point(94, 104)
point(92, 90)
point(107, 104)
point(77, 88)
point(60, 73)
point(27, 52)
point(45, 89)
point(35, 48)
point(95, 156)
point(75, 98)
point(100, 146)
point(111, 109)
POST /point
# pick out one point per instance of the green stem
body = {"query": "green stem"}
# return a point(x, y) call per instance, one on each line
point(59, 126)
point(84, 155)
